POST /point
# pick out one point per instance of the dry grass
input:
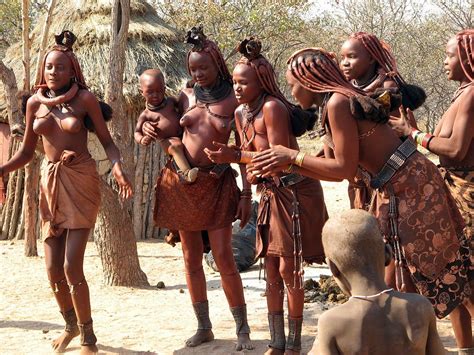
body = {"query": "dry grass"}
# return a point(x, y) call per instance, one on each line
point(151, 44)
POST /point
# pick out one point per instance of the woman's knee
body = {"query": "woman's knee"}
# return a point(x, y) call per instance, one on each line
point(192, 260)
point(74, 271)
point(286, 271)
point(224, 259)
point(55, 272)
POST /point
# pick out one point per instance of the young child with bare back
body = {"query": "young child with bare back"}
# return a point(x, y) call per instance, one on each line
point(376, 319)
point(162, 113)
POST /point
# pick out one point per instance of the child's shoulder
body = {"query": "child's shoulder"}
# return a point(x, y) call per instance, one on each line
point(337, 315)
point(413, 301)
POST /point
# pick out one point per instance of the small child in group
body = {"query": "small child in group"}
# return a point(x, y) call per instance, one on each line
point(376, 319)
point(161, 112)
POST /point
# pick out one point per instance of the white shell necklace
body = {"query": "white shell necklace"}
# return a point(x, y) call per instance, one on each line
point(372, 296)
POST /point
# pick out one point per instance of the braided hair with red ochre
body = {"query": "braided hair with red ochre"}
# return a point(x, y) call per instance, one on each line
point(382, 53)
point(200, 43)
point(413, 96)
point(64, 43)
point(301, 120)
point(318, 71)
point(250, 48)
point(465, 41)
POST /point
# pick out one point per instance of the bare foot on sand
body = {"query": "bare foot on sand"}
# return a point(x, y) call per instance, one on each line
point(243, 342)
point(201, 336)
point(88, 350)
point(60, 344)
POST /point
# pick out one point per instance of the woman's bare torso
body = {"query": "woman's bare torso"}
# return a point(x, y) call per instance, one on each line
point(62, 128)
point(377, 141)
point(444, 129)
point(258, 130)
point(201, 128)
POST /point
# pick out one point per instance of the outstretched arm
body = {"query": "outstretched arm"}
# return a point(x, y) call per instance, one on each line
point(102, 132)
point(30, 139)
point(346, 153)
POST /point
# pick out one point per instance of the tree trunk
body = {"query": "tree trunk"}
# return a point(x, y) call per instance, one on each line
point(31, 189)
point(7, 76)
point(30, 211)
point(11, 211)
point(138, 220)
point(44, 39)
point(114, 234)
point(25, 19)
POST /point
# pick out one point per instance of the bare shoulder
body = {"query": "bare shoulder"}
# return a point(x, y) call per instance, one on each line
point(336, 318)
point(468, 95)
point(414, 303)
point(172, 101)
point(238, 111)
point(272, 103)
point(33, 102)
point(185, 95)
point(86, 96)
point(144, 115)
point(231, 100)
point(337, 100)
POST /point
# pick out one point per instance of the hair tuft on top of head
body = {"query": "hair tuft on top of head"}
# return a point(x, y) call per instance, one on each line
point(196, 37)
point(250, 48)
point(65, 38)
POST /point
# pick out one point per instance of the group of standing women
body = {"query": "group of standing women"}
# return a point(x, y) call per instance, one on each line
point(358, 100)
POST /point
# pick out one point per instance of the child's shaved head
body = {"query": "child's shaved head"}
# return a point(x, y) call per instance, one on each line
point(352, 240)
point(155, 74)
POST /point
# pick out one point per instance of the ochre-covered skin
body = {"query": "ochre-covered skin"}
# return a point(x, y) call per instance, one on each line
point(203, 124)
point(70, 195)
point(453, 142)
point(371, 152)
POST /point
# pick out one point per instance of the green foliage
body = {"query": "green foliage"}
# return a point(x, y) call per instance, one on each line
point(10, 22)
point(278, 24)
point(416, 30)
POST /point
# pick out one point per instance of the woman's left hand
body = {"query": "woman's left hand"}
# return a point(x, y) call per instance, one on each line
point(401, 125)
point(272, 161)
point(223, 154)
point(125, 187)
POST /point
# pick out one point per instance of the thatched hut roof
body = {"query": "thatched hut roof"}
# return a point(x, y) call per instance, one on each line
point(151, 44)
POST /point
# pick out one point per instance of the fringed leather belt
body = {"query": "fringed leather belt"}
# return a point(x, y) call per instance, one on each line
point(395, 162)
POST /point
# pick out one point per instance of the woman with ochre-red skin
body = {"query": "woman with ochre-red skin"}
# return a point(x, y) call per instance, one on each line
point(61, 111)
point(412, 204)
point(453, 142)
point(213, 201)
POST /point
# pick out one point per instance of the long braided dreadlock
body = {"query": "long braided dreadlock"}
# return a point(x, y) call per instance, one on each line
point(413, 96)
point(64, 42)
point(317, 71)
point(250, 48)
point(465, 41)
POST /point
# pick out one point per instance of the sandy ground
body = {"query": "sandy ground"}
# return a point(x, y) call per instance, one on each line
point(142, 320)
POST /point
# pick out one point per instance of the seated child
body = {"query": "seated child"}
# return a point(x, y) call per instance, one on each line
point(161, 112)
point(376, 319)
